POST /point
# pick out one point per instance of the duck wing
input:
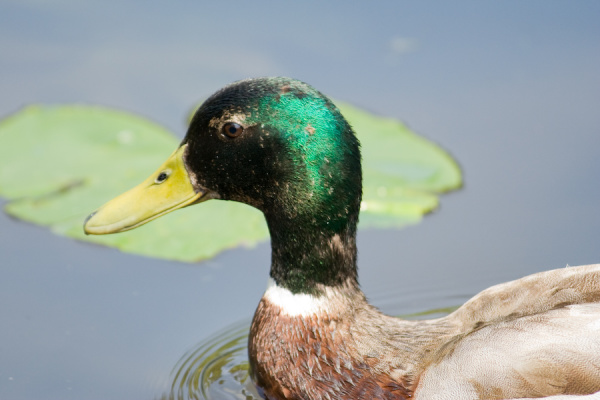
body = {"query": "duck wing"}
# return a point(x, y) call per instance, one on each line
point(535, 337)
point(530, 295)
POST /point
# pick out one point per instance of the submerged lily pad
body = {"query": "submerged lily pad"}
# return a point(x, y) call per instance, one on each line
point(59, 163)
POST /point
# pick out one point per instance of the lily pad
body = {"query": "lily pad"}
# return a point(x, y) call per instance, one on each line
point(403, 173)
point(59, 163)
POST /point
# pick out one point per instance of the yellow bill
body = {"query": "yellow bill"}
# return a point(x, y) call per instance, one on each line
point(168, 189)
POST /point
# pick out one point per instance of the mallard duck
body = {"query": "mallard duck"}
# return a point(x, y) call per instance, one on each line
point(283, 147)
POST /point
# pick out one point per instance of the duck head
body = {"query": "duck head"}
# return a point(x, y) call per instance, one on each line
point(276, 144)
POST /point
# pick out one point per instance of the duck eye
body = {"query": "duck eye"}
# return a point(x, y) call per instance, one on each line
point(232, 129)
point(162, 177)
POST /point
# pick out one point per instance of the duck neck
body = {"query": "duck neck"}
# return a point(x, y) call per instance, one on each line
point(310, 254)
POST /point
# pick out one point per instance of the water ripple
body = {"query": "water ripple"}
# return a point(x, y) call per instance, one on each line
point(216, 369)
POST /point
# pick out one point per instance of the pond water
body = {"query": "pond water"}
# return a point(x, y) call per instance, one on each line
point(511, 89)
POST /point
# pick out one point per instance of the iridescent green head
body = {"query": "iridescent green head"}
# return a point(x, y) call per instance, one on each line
point(279, 145)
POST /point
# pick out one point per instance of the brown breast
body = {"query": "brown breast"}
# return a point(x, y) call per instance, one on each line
point(312, 357)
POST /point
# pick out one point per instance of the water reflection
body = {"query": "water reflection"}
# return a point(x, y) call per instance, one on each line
point(217, 368)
